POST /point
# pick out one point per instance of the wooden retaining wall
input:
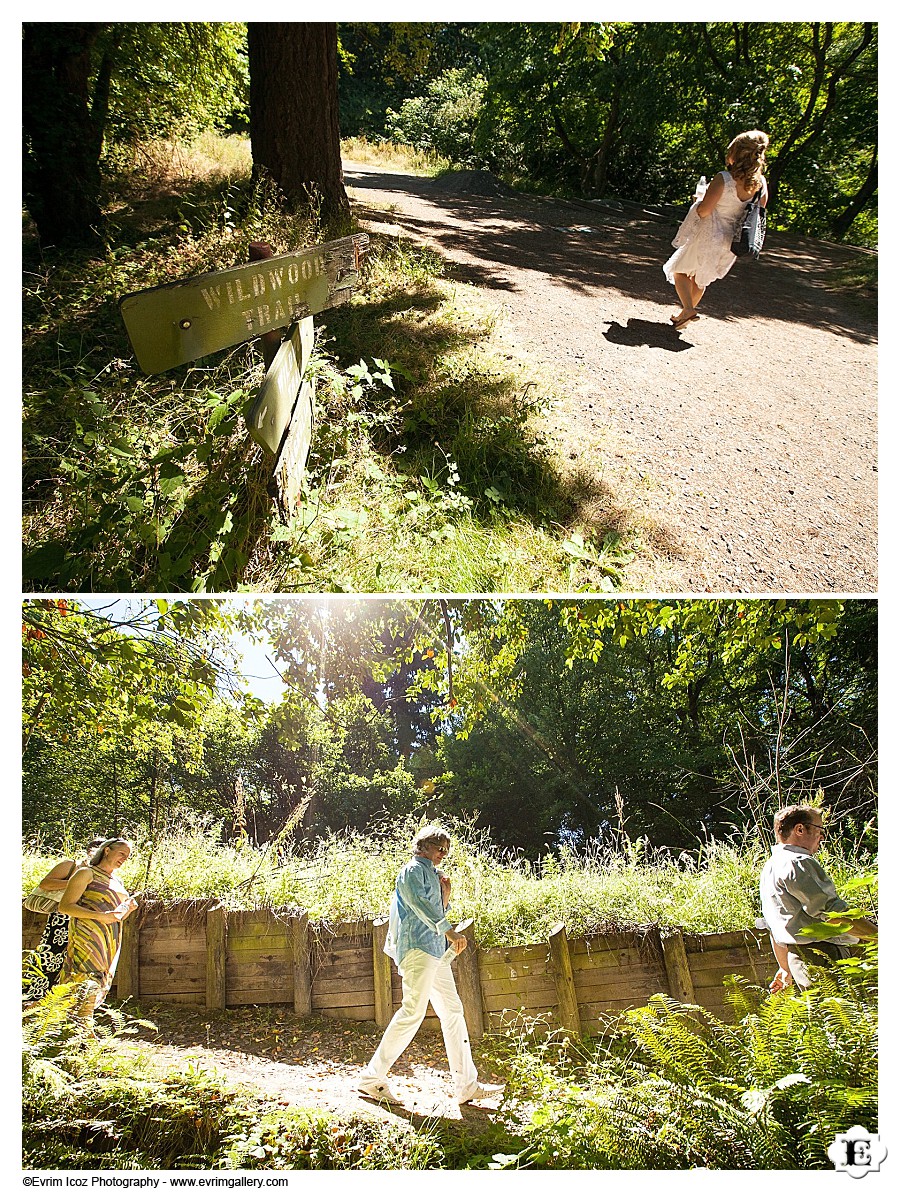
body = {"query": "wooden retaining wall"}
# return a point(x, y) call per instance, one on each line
point(221, 959)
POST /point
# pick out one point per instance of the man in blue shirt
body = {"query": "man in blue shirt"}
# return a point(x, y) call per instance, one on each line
point(422, 943)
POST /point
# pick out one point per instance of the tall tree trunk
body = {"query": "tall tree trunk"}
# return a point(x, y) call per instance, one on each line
point(842, 223)
point(294, 112)
point(61, 155)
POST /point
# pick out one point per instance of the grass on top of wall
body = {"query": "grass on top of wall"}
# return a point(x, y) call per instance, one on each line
point(350, 875)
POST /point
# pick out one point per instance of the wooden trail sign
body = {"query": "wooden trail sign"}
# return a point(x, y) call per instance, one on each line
point(184, 320)
point(176, 323)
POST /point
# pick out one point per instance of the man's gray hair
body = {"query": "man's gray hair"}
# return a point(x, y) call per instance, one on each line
point(431, 834)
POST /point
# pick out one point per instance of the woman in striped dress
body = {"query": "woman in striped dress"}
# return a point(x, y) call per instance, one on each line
point(51, 951)
point(96, 902)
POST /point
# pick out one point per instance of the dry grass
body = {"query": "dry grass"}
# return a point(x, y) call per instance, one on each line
point(388, 154)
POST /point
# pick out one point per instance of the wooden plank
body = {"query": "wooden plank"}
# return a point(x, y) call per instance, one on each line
point(172, 961)
point(193, 949)
point(516, 986)
point(614, 941)
point(500, 970)
point(159, 984)
point(643, 983)
point(259, 997)
point(175, 323)
point(259, 943)
point(127, 967)
point(521, 954)
point(365, 982)
point(262, 924)
point(704, 941)
point(531, 1000)
point(184, 999)
point(565, 981)
point(340, 950)
point(360, 929)
point(381, 976)
point(343, 952)
point(715, 978)
point(611, 959)
point(678, 971)
point(721, 958)
point(355, 966)
point(468, 981)
point(255, 959)
point(267, 969)
point(511, 1020)
point(349, 1013)
point(345, 999)
point(167, 939)
point(216, 944)
point(269, 416)
point(286, 485)
point(300, 965)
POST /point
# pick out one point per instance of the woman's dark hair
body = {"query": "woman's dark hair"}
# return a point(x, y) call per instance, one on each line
point(97, 857)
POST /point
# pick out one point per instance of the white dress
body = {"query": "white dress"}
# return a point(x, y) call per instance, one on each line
point(704, 245)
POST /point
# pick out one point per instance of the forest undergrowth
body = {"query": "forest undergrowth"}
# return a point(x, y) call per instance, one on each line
point(428, 468)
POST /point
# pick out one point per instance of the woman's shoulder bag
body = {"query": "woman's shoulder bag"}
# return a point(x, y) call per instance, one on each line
point(45, 902)
point(750, 233)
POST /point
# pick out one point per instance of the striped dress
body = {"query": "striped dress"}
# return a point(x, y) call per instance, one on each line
point(94, 946)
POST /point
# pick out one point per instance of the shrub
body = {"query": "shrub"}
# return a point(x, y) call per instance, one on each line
point(444, 119)
point(672, 1086)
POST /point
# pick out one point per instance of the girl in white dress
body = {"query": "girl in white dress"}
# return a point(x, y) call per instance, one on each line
point(703, 241)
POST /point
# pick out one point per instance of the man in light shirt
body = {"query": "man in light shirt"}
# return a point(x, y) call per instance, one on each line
point(796, 892)
point(418, 937)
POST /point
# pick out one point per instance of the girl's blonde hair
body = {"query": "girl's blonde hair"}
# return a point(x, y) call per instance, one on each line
point(747, 153)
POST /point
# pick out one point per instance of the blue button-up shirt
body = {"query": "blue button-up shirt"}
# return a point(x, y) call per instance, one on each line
point(418, 916)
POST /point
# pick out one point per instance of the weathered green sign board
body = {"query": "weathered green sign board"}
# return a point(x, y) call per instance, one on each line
point(270, 414)
point(184, 320)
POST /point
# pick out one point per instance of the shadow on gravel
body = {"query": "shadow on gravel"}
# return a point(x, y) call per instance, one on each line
point(591, 250)
point(643, 333)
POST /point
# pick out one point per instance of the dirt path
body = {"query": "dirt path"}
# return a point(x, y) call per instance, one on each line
point(313, 1063)
point(745, 444)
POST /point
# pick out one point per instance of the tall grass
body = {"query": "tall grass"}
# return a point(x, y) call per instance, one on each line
point(349, 875)
point(390, 154)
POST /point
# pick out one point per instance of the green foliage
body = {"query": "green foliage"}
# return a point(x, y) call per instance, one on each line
point(138, 671)
point(672, 1086)
point(444, 119)
point(102, 1104)
point(172, 79)
point(679, 717)
point(640, 109)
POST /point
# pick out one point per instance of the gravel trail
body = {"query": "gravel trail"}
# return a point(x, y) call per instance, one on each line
point(744, 444)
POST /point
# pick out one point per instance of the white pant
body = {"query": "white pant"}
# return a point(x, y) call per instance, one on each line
point(424, 979)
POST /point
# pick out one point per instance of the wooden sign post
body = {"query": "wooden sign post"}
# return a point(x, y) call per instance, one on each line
point(176, 323)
